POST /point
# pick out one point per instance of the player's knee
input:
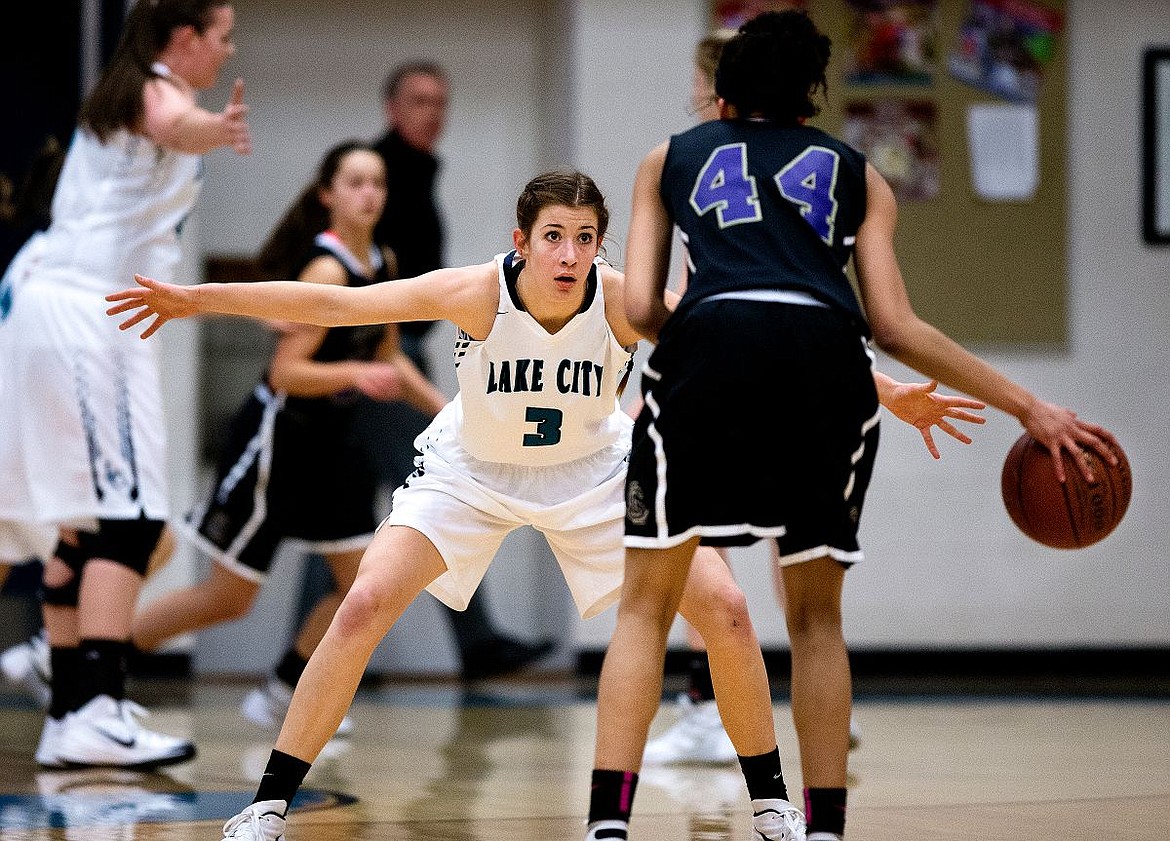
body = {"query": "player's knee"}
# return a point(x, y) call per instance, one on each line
point(813, 623)
point(724, 611)
point(126, 542)
point(731, 606)
point(164, 550)
point(61, 581)
point(228, 606)
point(360, 609)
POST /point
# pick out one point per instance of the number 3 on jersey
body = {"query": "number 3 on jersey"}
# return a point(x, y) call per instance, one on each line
point(548, 426)
point(724, 185)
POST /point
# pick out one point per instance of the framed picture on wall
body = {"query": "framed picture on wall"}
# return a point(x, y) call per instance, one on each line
point(892, 42)
point(732, 14)
point(1156, 146)
point(1004, 47)
point(900, 139)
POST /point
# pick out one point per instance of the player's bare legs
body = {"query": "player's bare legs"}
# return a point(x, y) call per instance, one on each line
point(222, 596)
point(631, 675)
point(344, 566)
point(716, 607)
point(821, 683)
point(397, 566)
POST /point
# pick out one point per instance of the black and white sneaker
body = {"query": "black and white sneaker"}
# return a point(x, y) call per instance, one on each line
point(263, 821)
point(603, 830)
point(106, 733)
point(776, 820)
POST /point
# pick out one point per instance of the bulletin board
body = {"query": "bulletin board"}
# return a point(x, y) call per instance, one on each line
point(987, 271)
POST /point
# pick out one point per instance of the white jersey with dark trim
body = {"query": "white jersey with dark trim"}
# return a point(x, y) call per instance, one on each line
point(530, 397)
point(117, 211)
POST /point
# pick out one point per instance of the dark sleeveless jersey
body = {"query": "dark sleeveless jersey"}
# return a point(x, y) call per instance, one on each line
point(763, 206)
point(343, 343)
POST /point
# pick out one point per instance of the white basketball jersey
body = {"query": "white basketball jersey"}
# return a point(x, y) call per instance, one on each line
point(533, 398)
point(117, 210)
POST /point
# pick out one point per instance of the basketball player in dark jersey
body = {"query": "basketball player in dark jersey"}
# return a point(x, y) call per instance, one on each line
point(292, 467)
point(761, 412)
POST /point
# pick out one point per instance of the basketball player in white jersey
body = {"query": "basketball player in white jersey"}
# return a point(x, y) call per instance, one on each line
point(81, 408)
point(535, 437)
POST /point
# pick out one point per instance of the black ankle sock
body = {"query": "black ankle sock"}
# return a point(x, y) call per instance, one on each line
point(290, 668)
point(611, 796)
point(101, 670)
point(764, 777)
point(824, 810)
point(282, 777)
point(699, 678)
point(63, 683)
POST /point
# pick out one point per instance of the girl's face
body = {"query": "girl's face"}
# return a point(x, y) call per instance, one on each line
point(356, 195)
point(210, 49)
point(559, 250)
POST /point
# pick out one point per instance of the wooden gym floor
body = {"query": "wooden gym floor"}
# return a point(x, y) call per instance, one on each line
point(510, 761)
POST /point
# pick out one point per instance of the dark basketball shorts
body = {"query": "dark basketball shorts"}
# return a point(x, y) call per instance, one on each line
point(284, 475)
point(760, 421)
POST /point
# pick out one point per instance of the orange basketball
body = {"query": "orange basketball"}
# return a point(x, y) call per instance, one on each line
point(1069, 516)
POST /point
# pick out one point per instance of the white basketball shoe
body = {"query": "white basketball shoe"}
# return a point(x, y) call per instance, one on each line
point(107, 733)
point(696, 737)
point(263, 821)
point(47, 747)
point(600, 830)
point(776, 820)
point(26, 666)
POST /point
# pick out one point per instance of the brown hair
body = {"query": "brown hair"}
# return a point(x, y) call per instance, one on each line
point(561, 187)
point(116, 100)
point(708, 50)
point(283, 254)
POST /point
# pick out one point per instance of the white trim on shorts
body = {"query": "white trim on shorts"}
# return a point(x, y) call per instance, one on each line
point(775, 296)
point(260, 447)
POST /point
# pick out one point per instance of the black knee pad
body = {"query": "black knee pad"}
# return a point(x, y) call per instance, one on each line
point(65, 595)
point(126, 542)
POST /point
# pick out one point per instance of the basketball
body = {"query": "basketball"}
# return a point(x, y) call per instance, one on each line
point(1069, 516)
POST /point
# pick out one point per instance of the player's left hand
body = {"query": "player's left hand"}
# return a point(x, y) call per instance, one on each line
point(919, 405)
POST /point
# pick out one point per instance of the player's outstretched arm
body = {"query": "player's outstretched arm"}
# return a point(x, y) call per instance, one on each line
point(283, 300)
point(434, 296)
point(921, 406)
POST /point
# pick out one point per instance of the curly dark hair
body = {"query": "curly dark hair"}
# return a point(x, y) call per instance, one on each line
point(773, 67)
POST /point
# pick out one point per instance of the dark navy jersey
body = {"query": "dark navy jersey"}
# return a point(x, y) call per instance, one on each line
point(341, 344)
point(763, 206)
point(359, 342)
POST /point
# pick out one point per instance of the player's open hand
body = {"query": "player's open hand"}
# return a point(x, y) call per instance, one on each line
point(152, 299)
point(919, 405)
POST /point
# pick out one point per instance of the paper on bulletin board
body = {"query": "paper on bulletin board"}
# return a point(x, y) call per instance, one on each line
point(1004, 146)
